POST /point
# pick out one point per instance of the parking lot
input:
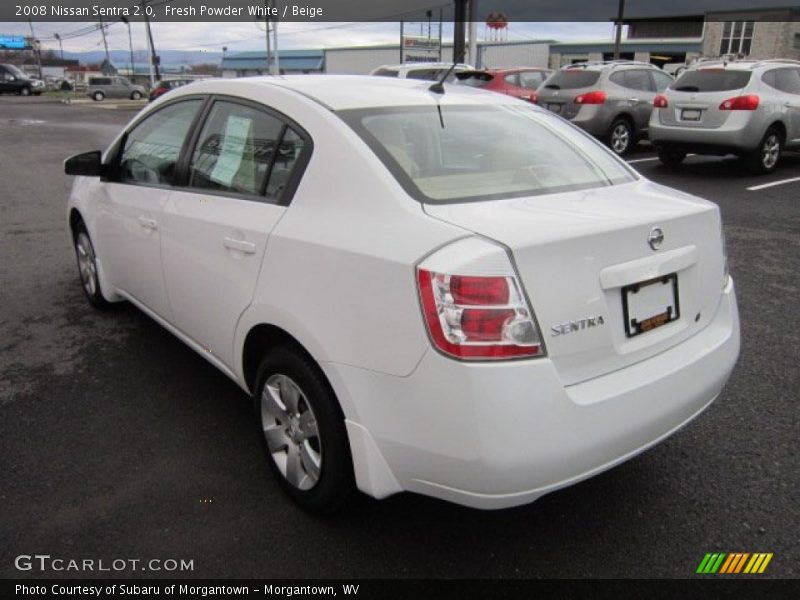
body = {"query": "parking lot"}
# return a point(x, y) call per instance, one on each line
point(118, 441)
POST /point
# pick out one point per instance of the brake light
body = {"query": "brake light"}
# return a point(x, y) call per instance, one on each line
point(660, 101)
point(533, 98)
point(476, 317)
point(747, 102)
point(596, 97)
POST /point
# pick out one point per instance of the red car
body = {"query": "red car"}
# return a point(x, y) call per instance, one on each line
point(520, 82)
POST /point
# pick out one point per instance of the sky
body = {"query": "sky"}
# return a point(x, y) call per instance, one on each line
point(292, 35)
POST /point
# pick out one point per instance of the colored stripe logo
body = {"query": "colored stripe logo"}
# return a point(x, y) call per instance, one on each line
point(734, 563)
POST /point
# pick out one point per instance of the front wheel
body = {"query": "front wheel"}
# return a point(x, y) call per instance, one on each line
point(26, 91)
point(303, 431)
point(671, 157)
point(98, 96)
point(620, 137)
point(87, 268)
point(136, 96)
point(765, 159)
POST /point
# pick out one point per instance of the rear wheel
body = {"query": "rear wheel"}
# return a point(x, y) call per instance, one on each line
point(620, 137)
point(764, 159)
point(26, 91)
point(303, 431)
point(671, 157)
point(98, 96)
point(136, 96)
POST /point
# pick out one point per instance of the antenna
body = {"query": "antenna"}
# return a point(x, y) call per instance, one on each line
point(438, 87)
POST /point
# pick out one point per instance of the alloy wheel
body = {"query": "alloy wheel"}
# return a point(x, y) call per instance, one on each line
point(291, 432)
point(770, 151)
point(87, 265)
point(620, 138)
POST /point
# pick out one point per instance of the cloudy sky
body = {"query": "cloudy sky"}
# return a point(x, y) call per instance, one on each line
point(248, 36)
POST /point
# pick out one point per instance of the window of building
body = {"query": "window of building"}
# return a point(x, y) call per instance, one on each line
point(737, 37)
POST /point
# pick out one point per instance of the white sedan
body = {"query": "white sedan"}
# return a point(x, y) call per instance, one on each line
point(456, 294)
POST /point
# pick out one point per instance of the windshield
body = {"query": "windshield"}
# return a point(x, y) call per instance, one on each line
point(711, 80)
point(572, 79)
point(484, 152)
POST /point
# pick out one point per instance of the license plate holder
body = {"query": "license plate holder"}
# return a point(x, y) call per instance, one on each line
point(690, 114)
point(650, 304)
point(554, 107)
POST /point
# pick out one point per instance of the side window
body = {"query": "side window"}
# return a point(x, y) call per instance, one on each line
point(785, 80)
point(512, 79)
point(638, 79)
point(235, 150)
point(618, 78)
point(152, 147)
point(662, 80)
point(531, 80)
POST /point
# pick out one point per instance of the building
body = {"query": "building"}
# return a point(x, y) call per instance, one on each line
point(767, 33)
point(244, 64)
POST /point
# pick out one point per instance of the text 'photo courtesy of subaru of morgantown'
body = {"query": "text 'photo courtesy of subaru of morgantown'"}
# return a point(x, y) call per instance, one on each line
point(424, 288)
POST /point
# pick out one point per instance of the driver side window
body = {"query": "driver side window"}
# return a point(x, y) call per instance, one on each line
point(152, 147)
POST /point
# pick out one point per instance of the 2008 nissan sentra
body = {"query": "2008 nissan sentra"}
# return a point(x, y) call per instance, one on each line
point(457, 294)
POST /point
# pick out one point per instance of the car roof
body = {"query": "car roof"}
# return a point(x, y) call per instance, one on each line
point(342, 92)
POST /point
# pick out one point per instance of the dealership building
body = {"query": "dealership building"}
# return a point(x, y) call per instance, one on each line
point(761, 34)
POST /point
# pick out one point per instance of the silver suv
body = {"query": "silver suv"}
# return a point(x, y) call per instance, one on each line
point(612, 100)
point(747, 108)
point(113, 87)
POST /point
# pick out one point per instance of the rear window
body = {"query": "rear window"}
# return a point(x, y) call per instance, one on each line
point(474, 79)
point(484, 152)
point(571, 79)
point(385, 73)
point(711, 80)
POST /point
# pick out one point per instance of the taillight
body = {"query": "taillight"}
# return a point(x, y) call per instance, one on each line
point(747, 102)
point(596, 97)
point(473, 317)
point(534, 98)
point(660, 101)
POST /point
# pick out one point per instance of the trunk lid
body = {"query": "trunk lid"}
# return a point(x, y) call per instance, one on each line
point(694, 99)
point(558, 92)
point(576, 251)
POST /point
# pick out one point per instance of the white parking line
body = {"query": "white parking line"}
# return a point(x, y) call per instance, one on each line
point(638, 160)
point(755, 188)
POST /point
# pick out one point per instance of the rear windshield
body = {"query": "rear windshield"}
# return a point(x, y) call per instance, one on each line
point(386, 73)
point(711, 80)
point(571, 79)
point(474, 79)
point(484, 152)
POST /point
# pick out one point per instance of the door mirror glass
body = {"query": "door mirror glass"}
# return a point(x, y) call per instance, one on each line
point(88, 164)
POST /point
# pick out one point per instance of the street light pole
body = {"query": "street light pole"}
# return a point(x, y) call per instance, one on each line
point(154, 72)
point(130, 42)
point(105, 42)
point(60, 45)
point(37, 50)
point(618, 33)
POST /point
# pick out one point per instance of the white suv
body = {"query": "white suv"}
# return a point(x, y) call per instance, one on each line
point(456, 294)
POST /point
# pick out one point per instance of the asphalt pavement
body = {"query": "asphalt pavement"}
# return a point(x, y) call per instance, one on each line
point(117, 441)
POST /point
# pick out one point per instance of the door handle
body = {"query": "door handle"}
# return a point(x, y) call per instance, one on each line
point(148, 223)
point(635, 100)
point(240, 245)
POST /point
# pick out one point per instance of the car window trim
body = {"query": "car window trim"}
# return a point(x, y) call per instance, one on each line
point(287, 194)
point(117, 152)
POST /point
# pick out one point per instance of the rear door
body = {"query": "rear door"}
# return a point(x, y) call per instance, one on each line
point(785, 83)
point(641, 92)
point(239, 177)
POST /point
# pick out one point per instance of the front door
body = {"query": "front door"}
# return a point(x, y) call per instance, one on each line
point(133, 203)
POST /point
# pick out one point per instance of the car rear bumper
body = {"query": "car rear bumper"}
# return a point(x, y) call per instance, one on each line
point(499, 435)
point(740, 134)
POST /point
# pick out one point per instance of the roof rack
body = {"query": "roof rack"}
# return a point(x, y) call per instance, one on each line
point(790, 61)
point(615, 63)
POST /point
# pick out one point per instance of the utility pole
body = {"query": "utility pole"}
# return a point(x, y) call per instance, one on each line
point(60, 45)
point(268, 70)
point(130, 42)
point(473, 32)
point(276, 64)
point(618, 33)
point(154, 72)
point(458, 30)
point(105, 42)
point(37, 51)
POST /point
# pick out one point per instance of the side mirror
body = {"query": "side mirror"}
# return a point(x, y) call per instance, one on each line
point(88, 164)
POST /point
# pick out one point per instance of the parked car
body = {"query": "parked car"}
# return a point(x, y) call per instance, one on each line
point(15, 81)
point(428, 71)
point(165, 85)
point(747, 108)
point(520, 82)
point(612, 100)
point(100, 88)
point(463, 297)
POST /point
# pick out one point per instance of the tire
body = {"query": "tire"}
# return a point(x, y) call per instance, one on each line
point(765, 159)
point(87, 268)
point(98, 96)
point(136, 96)
point(302, 431)
point(620, 137)
point(671, 157)
point(26, 91)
